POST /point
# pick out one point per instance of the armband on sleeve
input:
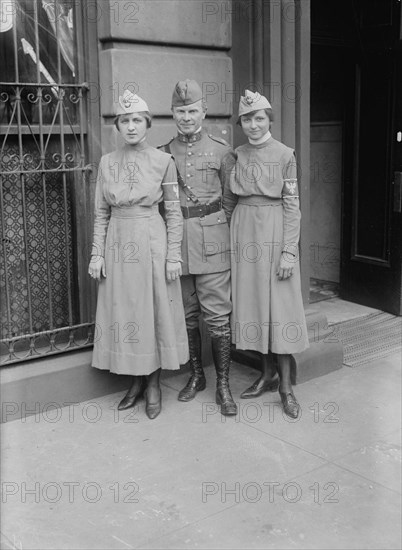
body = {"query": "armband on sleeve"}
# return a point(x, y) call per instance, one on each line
point(290, 188)
point(170, 191)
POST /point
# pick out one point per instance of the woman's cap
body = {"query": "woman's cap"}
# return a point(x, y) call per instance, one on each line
point(252, 101)
point(130, 103)
point(186, 92)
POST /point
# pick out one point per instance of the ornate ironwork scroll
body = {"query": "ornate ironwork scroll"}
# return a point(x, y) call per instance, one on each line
point(43, 164)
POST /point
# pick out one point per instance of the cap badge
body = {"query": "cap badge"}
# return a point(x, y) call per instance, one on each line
point(181, 91)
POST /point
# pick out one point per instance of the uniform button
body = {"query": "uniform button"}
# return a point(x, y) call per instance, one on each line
point(189, 175)
point(190, 144)
point(190, 153)
point(188, 198)
point(189, 164)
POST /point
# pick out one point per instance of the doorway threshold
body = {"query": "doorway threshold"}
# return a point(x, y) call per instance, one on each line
point(337, 310)
point(322, 290)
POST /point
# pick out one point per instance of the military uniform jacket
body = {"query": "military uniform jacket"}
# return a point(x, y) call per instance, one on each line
point(204, 163)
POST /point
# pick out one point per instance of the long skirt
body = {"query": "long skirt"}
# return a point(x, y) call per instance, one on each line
point(140, 325)
point(268, 313)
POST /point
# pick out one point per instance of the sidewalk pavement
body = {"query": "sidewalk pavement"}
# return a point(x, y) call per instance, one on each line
point(90, 477)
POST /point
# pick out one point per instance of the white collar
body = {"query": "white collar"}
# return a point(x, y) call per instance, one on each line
point(263, 139)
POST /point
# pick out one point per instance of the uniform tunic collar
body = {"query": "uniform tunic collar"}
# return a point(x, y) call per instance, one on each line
point(190, 138)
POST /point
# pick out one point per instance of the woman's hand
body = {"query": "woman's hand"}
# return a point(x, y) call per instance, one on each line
point(286, 266)
point(173, 270)
point(97, 267)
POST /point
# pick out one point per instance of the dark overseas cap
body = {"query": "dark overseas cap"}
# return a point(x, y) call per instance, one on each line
point(186, 92)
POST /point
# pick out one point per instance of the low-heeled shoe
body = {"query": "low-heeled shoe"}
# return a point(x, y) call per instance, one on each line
point(290, 405)
point(153, 409)
point(129, 401)
point(259, 387)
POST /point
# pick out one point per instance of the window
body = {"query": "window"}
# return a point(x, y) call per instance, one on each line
point(43, 176)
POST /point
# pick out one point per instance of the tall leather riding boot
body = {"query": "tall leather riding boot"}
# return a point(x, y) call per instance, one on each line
point(197, 380)
point(221, 356)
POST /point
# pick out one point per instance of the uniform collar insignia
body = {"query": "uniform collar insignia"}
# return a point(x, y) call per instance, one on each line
point(190, 139)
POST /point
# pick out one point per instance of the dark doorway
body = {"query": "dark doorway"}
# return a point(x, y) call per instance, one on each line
point(355, 116)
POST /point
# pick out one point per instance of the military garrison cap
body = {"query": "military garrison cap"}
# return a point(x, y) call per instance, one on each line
point(252, 101)
point(130, 103)
point(186, 92)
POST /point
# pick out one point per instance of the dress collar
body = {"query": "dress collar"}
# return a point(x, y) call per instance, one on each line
point(138, 147)
point(261, 140)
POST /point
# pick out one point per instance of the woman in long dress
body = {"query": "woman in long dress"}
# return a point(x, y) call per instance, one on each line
point(268, 314)
point(140, 326)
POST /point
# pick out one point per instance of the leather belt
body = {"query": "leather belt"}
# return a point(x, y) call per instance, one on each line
point(201, 210)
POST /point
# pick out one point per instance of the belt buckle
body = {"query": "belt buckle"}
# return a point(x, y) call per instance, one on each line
point(206, 208)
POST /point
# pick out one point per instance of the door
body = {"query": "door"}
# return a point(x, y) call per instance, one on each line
point(45, 156)
point(372, 241)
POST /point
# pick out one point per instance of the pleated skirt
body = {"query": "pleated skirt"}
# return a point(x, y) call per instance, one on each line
point(140, 325)
point(268, 313)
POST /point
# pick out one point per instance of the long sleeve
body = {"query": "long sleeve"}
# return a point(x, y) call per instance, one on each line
point(101, 216)
point(229, 198)
point(173, 215)
point(291, 208)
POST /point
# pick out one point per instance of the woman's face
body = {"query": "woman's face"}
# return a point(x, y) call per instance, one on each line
point(133, 128)
point(255, 125)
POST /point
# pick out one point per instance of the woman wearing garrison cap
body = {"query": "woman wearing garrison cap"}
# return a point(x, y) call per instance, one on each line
point(268, 314)
point(137, 260)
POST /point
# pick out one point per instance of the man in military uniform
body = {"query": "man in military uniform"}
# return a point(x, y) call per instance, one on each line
point(204, 163)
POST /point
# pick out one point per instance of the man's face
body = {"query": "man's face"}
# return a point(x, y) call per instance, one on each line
point(189, 118)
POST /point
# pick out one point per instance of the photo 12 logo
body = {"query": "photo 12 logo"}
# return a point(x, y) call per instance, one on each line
point(272, 491)
point(68, 491)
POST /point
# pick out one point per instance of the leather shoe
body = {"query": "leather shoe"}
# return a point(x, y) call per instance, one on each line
point(153, 409)
point(290, 405)
point(259, 387)
point(129, 400)
point(223, 397)
point(194, 385)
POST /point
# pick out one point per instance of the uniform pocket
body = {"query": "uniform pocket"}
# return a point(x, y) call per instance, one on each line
point(215, 233)
point(207, 163)
point(207, 168)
